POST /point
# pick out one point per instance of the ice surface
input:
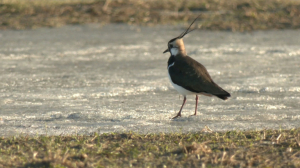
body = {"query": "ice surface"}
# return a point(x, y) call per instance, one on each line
point(113, 78)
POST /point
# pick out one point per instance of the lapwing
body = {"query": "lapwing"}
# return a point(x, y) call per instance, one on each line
point(188, 76)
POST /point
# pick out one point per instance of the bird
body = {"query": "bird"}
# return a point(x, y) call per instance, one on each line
point(188, 76)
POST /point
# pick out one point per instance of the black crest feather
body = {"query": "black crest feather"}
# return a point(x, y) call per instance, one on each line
point(188, 29)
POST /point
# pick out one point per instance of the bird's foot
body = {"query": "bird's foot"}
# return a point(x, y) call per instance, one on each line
point(178, 115)
point(192, 115)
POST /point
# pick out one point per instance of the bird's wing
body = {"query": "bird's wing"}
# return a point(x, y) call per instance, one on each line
point(193, 76)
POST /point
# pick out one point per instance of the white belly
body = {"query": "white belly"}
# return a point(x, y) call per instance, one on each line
point(180, 89)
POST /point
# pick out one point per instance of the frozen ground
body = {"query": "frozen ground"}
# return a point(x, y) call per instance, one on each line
point(85, 79)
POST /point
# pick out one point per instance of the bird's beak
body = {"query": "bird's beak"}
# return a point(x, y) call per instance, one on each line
point(166, 50)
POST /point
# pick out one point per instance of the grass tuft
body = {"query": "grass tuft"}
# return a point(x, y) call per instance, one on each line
point(266, 148)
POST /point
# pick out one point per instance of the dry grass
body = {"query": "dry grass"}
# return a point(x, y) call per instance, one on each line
point(233, 15)
point(267, 148)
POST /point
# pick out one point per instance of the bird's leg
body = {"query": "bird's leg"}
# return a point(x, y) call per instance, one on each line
point(196, 106)
point(179, 113)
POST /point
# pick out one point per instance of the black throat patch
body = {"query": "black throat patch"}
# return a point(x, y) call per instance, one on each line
point(171, 60)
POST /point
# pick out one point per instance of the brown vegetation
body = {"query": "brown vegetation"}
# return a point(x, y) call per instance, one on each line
point(266, 148)
point(234, 15)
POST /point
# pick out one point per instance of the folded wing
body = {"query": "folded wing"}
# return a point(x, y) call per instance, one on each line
point(193, 76)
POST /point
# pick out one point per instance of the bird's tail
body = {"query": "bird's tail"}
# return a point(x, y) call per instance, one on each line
point(223, 96)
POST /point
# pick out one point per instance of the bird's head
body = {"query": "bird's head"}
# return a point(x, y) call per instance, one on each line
point(176, 44)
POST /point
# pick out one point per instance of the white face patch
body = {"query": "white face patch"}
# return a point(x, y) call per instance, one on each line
point(174, 51)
